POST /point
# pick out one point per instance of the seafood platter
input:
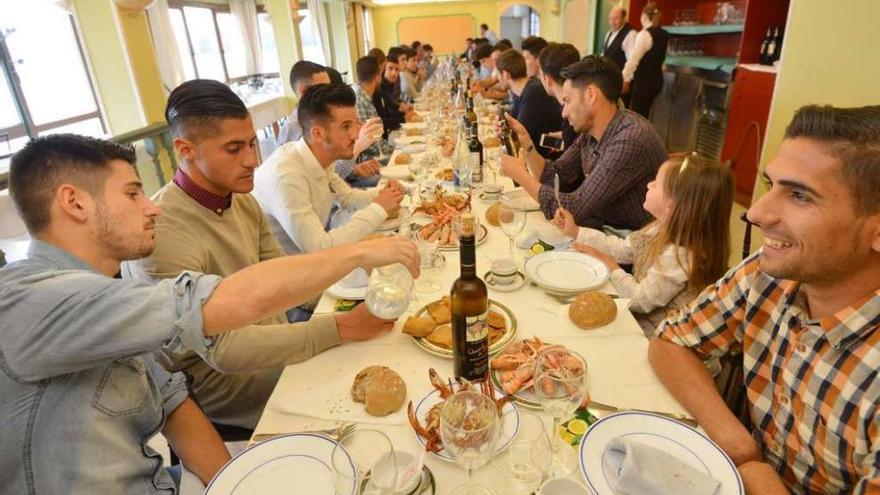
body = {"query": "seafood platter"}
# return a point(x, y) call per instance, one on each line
point(513, 368)
point(442, 214)
point(424, 417)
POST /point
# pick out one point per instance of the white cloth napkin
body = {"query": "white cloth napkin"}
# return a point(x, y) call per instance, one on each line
point(634, 468)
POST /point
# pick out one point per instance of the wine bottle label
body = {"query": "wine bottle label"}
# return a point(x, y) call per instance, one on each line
point(471, 353)
point(476, 163)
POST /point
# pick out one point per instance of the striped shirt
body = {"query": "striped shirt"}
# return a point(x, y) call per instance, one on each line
point(813, 396)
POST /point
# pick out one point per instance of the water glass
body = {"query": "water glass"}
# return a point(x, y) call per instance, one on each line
point(527, 461)
point(560, 385)
point(431, 264)
point(471, 443)
point(389, 291)
point(373, 458)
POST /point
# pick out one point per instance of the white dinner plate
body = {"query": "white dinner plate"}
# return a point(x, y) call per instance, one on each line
point(274, 467)
point(566, 271)
point(668, 435)
point(509, 424)
point(348, 293)
point(392, 171)
point(389, 224)
point(519, 199)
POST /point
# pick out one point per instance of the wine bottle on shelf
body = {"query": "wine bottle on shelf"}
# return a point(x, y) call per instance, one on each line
point(777, 35)
point(476, 154)
point(470, 310)
point(763, 58)
point(508, 137)
point(771, 48)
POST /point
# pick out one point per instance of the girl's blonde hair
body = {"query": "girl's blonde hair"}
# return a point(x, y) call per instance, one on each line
point(701, 191)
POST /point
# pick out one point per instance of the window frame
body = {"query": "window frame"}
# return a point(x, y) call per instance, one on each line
point(27, 127)
point(215, 9)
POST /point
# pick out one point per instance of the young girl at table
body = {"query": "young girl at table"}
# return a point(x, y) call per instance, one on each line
point(677, 255)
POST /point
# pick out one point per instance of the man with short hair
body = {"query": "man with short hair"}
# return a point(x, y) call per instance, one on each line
point(428, 65)
point(297, 188)
point(487, 33)
point(803, 312)
point(619, 153)
point(531, 48)
point(410, 78)
point(390, 109)
point(305, 74)
point(489, 84)
point(211, 224)
point(551, 61)
point(620, 39)
point(532, 107)
point(82, 393)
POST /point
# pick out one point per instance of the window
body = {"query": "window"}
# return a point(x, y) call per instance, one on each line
point(211, 45)
point(311, 41)
point(45, 86)
point(534, 23)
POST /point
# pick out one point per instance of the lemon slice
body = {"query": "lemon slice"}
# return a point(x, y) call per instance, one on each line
point(577, 426)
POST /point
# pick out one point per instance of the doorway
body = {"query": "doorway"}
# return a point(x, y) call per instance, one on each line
point(519, 22)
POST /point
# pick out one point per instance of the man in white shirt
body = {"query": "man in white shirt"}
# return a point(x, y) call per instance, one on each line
point(297, 187)
point(620, 41)
point(487, 33)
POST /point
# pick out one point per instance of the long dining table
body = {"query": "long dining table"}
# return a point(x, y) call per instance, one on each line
point(315, 394)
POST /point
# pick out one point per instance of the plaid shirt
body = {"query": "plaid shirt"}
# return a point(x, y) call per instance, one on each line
point(617, 171)
point(814, 399)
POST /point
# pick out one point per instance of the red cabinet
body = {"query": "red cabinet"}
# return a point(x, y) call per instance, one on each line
point(746, 125)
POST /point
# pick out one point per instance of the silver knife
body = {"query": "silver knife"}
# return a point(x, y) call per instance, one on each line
point(613, 409)
point(556, 190)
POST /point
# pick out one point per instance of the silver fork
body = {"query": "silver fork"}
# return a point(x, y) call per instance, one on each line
point(569, 299)
point(334, 433)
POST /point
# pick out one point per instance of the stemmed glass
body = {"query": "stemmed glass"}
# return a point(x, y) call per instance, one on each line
point(431, 263)
point(526, 462)
point(561, 383)
point(512, 222)
point(470, 427)
point(379, 141)
point(374, 460)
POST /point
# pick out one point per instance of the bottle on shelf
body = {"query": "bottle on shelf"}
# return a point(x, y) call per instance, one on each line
point(470, 311)
point(764, 45)
point(777, 35)
point(771, 48)
point(476, 154)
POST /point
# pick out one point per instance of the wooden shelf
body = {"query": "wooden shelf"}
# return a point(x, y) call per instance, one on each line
point(725, 64)
point(698, 29)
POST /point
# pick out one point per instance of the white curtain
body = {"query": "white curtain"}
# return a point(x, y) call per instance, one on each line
point(245, 14)
point(319, 22)
point(167, 54)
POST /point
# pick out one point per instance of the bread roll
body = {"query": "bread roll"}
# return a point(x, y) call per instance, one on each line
point(491, 142)
point(415, 132)
point(380, 389)
point(440, 311)
point(592, 310)
point(496, 319)
point(441, 336)
point(419, 327)
point(492, 215)
point(403, 159)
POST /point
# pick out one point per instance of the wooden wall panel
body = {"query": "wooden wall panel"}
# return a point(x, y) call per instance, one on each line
point(445, 33)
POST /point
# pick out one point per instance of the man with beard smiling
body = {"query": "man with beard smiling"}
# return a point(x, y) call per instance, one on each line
point(297, 187)
point(618, 151)
point(80, 392)
point(804, 312)
point(211, 224)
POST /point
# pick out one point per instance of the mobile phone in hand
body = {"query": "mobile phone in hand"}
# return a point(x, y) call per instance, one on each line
point(552, 143)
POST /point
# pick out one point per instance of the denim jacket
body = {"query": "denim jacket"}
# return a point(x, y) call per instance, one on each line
point(80, 394)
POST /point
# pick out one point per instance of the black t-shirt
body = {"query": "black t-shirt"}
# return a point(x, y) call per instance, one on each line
point(538, 112)
point(385, 105)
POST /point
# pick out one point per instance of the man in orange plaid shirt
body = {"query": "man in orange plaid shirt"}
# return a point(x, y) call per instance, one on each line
point(805, 313)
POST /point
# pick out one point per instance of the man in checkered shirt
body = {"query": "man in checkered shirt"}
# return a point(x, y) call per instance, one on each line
point(618, 153)
point(805, 313)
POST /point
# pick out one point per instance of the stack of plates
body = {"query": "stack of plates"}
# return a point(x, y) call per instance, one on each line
point(566, 272)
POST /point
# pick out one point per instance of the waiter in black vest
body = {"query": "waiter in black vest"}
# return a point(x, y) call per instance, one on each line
point(619, 41)
point(643, 72)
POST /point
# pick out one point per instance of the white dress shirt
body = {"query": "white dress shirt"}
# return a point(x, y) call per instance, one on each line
point(628, 41)
point(297, 195)
point(665, 279)
point(643, 43)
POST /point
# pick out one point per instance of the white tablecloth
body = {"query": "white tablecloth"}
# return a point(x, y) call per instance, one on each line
point(268, 108)
point(616, 355)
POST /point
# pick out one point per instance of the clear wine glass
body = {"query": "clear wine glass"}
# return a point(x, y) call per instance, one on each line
point(560, 384)
point(469, 427)
point(431, 263)
point(389, 291)
point(512, 221)
point(379, 141)
point(375, 465)
point(526, 462)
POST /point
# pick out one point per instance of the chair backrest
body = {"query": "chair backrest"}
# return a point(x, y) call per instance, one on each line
point(747, 238)
point(11, 226)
